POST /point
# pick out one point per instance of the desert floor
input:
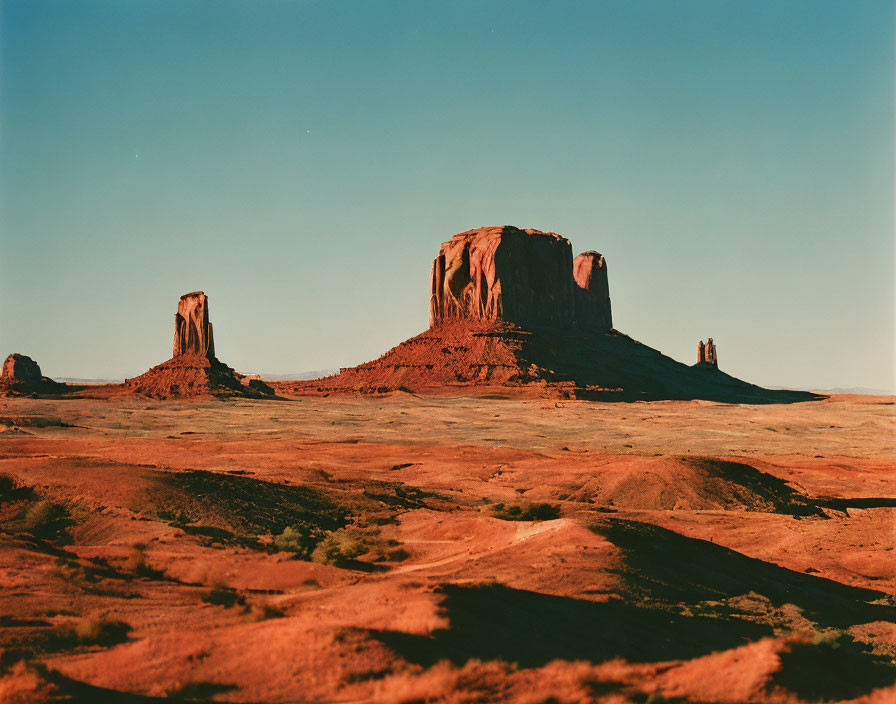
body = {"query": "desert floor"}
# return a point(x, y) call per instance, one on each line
point(398, 548)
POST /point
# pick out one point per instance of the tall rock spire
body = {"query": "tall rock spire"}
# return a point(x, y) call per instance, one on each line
point(192, 329)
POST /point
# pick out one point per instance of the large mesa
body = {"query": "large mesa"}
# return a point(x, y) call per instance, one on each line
point(511, 308)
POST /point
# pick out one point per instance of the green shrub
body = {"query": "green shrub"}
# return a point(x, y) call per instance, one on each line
point(268, 611)
point(89, 631)
point(102, 632)
point(340, 547)
point(299, 540)
point(532, 512)
point(222, 596)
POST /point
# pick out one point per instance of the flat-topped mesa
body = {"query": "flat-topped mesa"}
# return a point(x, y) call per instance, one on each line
point(592, 293)
point(510, 311)
point(706, 353)
point(493, 274)
point(192, 330)
point(20, 367)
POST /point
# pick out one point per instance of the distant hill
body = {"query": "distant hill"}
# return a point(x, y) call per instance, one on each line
point(300, 376)
point(843, 390)
point(857, 390)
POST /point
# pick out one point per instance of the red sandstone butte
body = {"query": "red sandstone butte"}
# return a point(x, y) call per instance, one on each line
point(192, 329)
point(510, 310)
point(193, 371)
point(22, 375)
point(20, 367)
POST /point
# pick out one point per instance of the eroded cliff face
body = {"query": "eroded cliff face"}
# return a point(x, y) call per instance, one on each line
point(592, 294)
point(20, 367)
point(192, 329)
point(21, 375)
point(505, 274)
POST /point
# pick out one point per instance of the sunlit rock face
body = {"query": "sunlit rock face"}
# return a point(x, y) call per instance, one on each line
point(592, 294)
point(192, 329)
point(505, 274)
point(706, 353)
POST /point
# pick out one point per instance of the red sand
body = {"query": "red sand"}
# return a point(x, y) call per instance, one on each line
point(703, 552)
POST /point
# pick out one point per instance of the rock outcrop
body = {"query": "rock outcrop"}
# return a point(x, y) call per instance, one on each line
point(706, 354)
point(192, 329)
point(510, 311)
point(20, 367)
point(503, 274)
point(592, 293)
point(21, 375)
point(193, 371)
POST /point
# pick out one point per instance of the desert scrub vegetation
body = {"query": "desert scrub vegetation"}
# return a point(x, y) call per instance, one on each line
point(531, 512)
point(23, 510)
point(90, 631)
point(224, 596)
point(300, 540)
point(341, 547)
point(265, 612)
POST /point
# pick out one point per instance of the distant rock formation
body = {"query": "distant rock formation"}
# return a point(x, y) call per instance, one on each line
point(20, 367)
point(21, 375)
point(192, 329)
point(511, 311)
point(193, 370)
point(706, 353)
point(592, 294)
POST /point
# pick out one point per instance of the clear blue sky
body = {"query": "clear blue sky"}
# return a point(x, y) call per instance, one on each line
point(300, 162)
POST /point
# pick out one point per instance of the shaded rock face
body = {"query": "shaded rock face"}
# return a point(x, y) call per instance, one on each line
point(592, 292)
point(706, 353)
point(19, 367)
point(21, 375)
point(192, 329)
point(505, 274)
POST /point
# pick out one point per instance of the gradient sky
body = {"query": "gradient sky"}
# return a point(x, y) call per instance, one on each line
point(300, 162)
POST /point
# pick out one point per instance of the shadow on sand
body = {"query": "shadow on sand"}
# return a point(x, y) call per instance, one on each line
point(674, 589)
point(661, 566)
point(494, 622)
